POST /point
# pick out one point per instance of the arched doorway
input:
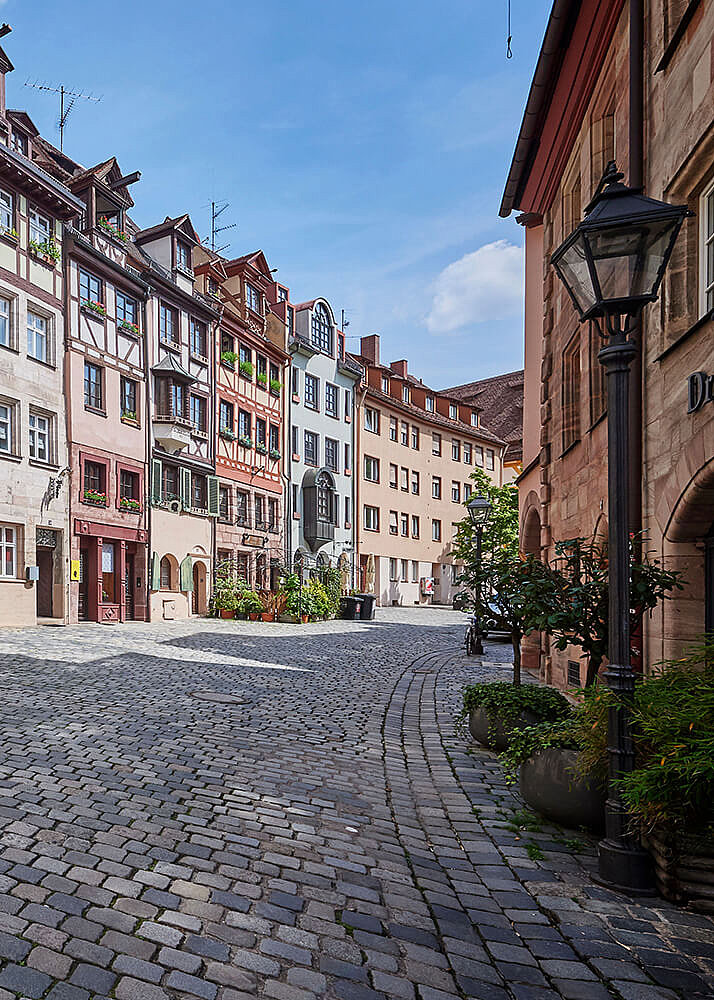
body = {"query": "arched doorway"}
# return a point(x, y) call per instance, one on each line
point(533, 646)
point(198, 594)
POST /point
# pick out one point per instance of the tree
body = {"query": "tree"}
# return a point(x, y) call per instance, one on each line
point(496, 585)
point(573, 595)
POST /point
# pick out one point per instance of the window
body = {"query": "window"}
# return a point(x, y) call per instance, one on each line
point(436, 530)
point(227, 346)
point(242, 510)
point(252, 298)
point(436, 487)
point(598, 378)
point(7, 427)
point(178, 400)
point(602, 147)
point(225, 415)
point(436, 444)
point(429, 403)
point(453, 412)
point(90, 287)
point(37, 337)
point(474, 418)
point(127, 309)
point(282, 294)
point(571, 393)
point(295, 440)
point(332, 454)
point(404, 521)
point(8, 551)
point(393, 476)
point(168, 325)
point(19, 142)
point(261, 432)
point(405, 394)
point(371, 420)
point(93, 395)
point(224, 503)
point(405, 570)
point(7, 214)
point(312, 444)
point(245, 424)
point(272, 515)
point(128, 485)
point(348, 458)
point(198, 413)
point(94, 477)
point(348, 404)
point(39, 427)
point(467, 453)
point(490, 459)
point(261, 369)
point(274, 438)
point(456, 492)
point(393, 570)
point(259, 508)
point(371, 518)
point(331, 399)
point(706, 228)
point(385, 384)
point(393, 428)
point(415, 526)
point(290, 319)
point(245, 355)
point(371, 469)
point(404, 479)
point(274, 373)
point(321, 330)
point(415, 438)
point(404, 435)
point(312, 389)
point(40, 227)
point(467, 491)
point(415, 483)
point(571, 198)
point(165, 573)
point(295, 381)
point(199, 491)
point(478, 455)
point(5, 322)
point(347, 512)
point(169, 482)
point(197, 338)
point(393, 522)
point(127, 401)
point(456, 451)
point(183, 256)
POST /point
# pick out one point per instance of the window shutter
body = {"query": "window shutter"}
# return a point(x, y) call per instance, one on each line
point(185, 490)
point(155, 481)
point(186, 575)
point(155, 571)
point(213, 498)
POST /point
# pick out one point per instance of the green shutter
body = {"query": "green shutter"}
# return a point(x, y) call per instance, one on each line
point(185, 489)
point(213, 495)
point(186, 575)
point(156, 483)
point(155, 571)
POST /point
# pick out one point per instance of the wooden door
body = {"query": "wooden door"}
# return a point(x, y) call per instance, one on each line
point(195, 592)
point(129, 586)
point(83, 598)
point(45, 564)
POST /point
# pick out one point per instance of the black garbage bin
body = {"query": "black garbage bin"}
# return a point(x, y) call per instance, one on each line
point(350, 607)
point(368, 603)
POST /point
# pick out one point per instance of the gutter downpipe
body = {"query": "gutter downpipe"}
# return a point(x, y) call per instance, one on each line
point(149, 466)
point(636, 155)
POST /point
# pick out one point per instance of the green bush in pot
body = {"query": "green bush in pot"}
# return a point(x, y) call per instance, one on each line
point(495, 710)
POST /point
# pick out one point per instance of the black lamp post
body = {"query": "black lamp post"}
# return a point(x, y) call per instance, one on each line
point(479, 508)
point(612, 265)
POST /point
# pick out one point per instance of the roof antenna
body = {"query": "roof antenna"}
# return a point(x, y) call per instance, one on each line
point(509, 54)
point(66, 106)
point(216, 212)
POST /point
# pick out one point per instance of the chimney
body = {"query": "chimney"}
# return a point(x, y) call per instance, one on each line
point(400, 368)
point(369, 348)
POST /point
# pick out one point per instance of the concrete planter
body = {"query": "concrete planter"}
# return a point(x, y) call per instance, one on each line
point(684, 866)
point(551, 787)
point(494, 735)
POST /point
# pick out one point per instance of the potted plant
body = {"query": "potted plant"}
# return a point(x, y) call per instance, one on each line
point(227, 434)
point(244, 441)
point(128, 503)
point(128, 415)
point(47, 249)
point(229, 358)
point(226, 604)
point(111, 229)
point(251, 604)
point(96, 497)
point(93, 306)
point(262, 379)
point(496, 710)
point(246, 369)
point(261, 448)
point(129, 327)
point(274, 454)
point(275, 386)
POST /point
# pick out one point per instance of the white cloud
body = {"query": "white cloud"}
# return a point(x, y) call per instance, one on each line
point(486, 284)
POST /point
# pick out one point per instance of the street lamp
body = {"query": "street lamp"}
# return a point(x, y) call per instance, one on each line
point(479, 508)
point(612, 265)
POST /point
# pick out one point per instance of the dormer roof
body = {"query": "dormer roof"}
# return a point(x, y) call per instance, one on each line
point(22, 118)
point(5, 64)
point(180, 224)
point(256, 260)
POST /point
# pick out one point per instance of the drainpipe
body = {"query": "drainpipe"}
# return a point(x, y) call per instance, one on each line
point(148, 509)
point(636, 156)
point(287, 464)
point(68, 433)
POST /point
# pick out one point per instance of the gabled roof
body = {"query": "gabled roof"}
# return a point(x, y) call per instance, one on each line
point(181, 223)
point(5, 64)
point(255, 259)
point(170, 366)
point(22, 118)
point(499, 401)
point(107, 172)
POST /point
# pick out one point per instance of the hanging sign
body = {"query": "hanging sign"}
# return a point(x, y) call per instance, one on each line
point(255, 541)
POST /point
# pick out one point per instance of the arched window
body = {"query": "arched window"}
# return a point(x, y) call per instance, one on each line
point(325, 499)
point(321, 329)
point(165, 573)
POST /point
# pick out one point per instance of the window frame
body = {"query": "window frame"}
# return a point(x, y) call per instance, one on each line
point(371, 463)
point(89, 404)
point(9, 546)
point(12, 407)
point(706, 240)
point(375, 510)
point(32, 332)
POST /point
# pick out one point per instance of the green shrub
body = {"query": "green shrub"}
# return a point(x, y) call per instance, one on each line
point(505, 702)
point(251, 603)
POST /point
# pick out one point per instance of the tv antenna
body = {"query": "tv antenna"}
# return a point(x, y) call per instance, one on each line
point(68, 99)
point(217, 211)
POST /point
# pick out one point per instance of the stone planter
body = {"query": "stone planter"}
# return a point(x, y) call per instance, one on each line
point(495, 735)
point(684, 866)
point(225, 613)
point(550, 786)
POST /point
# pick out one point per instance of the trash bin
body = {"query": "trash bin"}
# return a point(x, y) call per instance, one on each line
point(367, 610)
point(350, 608)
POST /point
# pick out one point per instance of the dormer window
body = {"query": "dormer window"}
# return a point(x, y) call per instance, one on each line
point(40, 227)
point(212, 286)
point(405, 393)
point(385, 384)
point(474, 418)
point(19, 142)
point(430, 404)
point(290, 320)
point(7, 213)
point(453, 412)
point(252, 298)
point(321, 333)
point(282, 294)
point(183, 257)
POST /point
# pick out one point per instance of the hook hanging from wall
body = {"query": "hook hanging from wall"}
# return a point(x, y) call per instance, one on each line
point(509, 53)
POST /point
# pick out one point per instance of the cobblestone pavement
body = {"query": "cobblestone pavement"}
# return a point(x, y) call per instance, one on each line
point(222, 810)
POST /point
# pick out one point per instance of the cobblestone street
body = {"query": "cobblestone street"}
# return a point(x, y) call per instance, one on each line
point(223, 810)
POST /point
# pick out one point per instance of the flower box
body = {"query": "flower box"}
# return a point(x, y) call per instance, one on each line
point(47, 250)
point(274, 454)
point(127, 503)
point(95, 307)
point(246, 369)
point(228, 358)
point(128, 327)
point(129, 415)
point(262, 380)
point(227, 434)
point(106, 225)
point(9, 234)
point(95, 497)
point(275, 386)
point(261, 449)
point(245, 442)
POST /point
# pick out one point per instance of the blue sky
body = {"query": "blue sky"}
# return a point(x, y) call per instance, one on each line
point(362, 146)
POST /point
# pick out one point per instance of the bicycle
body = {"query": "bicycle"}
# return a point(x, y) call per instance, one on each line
point(474, 637)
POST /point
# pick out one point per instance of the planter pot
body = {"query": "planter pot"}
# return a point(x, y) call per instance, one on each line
point(304, 619)
point(288, 619)
point(254, 616)
point(494, 735)
point(551, 787)
point(267, 616)
point(684, 866)
point(224, 613)
point(241, 616)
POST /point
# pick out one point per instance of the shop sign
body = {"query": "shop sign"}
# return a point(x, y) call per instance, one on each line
point(255, 541)
point(700, 391)
point(74, 570)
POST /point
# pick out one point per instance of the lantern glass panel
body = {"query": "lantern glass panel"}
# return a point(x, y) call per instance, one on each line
point(575, 273)
point(628, 261)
